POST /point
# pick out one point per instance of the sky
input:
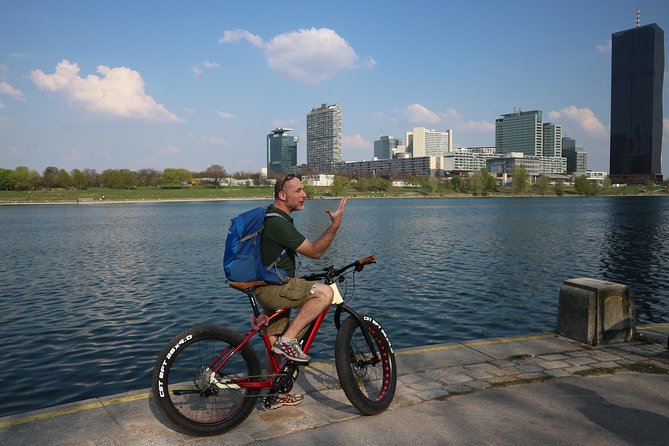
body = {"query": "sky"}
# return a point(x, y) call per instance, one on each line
point(186, 84)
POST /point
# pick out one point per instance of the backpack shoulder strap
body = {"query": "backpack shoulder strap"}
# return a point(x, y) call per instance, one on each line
point(274, 214)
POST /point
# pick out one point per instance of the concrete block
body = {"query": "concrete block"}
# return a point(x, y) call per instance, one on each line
point(596, 311)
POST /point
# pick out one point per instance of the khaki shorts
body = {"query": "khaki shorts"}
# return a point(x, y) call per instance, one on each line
point(292, 294)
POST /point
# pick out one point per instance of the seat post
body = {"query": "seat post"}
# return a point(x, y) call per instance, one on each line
point(252, 300)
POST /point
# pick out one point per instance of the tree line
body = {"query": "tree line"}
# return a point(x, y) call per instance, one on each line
point(24, 178)
point(481, 182)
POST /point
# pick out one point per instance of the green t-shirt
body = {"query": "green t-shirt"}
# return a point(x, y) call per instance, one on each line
point(279, 234)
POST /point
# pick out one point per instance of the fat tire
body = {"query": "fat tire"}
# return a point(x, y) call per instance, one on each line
point(181, 363)
point(370, 388)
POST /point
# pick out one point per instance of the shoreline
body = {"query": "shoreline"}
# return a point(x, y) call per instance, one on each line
point(186, 200)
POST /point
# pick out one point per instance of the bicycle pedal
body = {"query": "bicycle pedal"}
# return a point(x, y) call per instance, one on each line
point(266, 401)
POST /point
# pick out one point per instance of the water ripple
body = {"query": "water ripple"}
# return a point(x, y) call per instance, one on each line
point(91, 293)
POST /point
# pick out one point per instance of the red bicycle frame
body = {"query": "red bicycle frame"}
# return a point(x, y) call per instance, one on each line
point(258, 322)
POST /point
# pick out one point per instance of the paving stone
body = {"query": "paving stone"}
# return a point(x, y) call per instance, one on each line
point(502, 363)
point(605, 356)
point(482, 367)
point(408, 379)
point(605, 365)
point(529, 368)
point(479, 375)
point(426, 385)
point(580, 361)
point(553, 357)
point(432, 394)
point(458, 388)
point(479, 385)
point(456, 379)
point(549, 365)
point(454, 370)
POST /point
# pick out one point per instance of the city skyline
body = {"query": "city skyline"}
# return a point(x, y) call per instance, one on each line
point(166, 84)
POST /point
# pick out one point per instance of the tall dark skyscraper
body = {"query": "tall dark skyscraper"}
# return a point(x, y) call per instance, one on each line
point(637, 74)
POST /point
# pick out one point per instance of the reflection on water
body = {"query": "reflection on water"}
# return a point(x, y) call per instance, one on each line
point(91, 293)
point(636, 246)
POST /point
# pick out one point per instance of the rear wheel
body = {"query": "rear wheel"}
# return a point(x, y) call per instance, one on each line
point(368, 380)
point(193, 397)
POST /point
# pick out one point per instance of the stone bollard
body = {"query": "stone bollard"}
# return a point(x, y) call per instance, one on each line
point(596, 311)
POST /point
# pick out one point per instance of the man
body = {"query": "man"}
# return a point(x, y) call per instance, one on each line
point(312, 298)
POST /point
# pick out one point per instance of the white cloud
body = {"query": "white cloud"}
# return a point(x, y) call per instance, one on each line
point(207, 64)
point(477, 126)
point(604, 49)
point(355, 142)
point(225, 115)
point(417, 114)
point(307, 55)
point(584, 117)
point(368, 62)
point(451, 118)
point(240, 34)
point(7, 89)
point(4, 69)
point(117, 92)
point(19, 56)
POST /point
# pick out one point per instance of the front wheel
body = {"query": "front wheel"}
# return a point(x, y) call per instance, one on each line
point(191, 395)
point(367, 378)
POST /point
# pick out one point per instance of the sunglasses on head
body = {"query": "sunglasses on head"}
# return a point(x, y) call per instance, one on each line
point(287, 178)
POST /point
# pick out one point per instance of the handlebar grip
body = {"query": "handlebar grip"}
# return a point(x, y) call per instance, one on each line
point(367, 260)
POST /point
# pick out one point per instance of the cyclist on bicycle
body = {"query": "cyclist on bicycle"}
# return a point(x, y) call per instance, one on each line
point(312, 298)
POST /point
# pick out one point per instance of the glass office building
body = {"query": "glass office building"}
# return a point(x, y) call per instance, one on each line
point(637, 75)
point(384, 146)
point(520, 132)
point(281, 151)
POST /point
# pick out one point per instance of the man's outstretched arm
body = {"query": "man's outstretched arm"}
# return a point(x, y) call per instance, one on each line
point(316, 249)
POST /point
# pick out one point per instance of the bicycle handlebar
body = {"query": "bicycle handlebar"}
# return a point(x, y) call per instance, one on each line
point(330, 272)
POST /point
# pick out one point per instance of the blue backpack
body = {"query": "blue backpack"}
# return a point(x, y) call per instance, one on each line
point(242, 261)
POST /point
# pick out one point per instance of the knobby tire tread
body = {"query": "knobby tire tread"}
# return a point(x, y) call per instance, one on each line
point(378, 386)
point(246, 360)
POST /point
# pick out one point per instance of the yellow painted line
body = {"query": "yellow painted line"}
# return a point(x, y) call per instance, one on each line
point(437, 348)
point(653, 326)
point(74, 409)
point(507, 340)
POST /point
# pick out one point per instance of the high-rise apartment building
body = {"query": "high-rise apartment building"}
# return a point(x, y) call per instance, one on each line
point(637, 75)
point(324, 138)
point(520, 132)
point(428, 142)
point(384, 146)
point(281, 151)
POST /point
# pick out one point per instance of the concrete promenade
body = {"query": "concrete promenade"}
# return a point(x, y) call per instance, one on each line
point(526, 390)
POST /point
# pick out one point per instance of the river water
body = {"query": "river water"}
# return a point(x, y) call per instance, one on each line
point(91, 293)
